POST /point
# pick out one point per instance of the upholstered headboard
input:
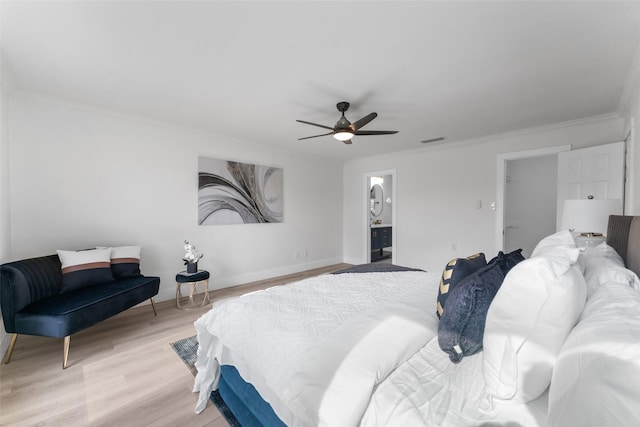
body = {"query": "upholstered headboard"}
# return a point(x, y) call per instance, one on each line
point(623, 234)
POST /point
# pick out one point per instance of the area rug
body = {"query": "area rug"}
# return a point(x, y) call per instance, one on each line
point(187, 350)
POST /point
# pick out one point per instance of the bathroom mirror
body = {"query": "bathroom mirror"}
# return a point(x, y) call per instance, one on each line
point(376, 200)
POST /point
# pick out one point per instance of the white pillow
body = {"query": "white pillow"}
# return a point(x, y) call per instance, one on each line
point(562, 238)
point(596, 376)
point(534, 310)
point(603, 264)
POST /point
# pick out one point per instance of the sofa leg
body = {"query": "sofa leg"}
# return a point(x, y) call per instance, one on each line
point(12, 344)
point(153, 306)
point(65, 351)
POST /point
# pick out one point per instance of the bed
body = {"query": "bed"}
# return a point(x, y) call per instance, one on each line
point(555, 343)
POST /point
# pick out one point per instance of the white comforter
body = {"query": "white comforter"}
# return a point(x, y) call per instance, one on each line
point(429, 390)
point(329, 343)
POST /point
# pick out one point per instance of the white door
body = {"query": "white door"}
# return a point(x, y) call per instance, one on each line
point(595, 171)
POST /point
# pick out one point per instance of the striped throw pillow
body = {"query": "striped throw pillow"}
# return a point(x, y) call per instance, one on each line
point(85, 268)
point(125, 261)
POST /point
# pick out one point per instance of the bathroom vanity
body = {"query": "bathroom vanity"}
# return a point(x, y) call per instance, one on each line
point(381, 238)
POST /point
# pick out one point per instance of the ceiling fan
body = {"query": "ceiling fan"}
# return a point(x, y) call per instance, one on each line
point(344, 130)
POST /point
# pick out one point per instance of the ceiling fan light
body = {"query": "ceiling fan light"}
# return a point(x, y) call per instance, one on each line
point(343, 135)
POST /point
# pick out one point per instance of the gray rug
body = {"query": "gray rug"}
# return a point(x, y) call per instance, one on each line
point(187, 350)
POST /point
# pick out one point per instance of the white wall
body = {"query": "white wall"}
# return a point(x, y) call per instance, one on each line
point(82, 177)
point(6, 87)
point(437, 189)
point(387, 190)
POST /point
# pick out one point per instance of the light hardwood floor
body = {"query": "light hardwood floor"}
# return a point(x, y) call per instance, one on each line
point(122, 372)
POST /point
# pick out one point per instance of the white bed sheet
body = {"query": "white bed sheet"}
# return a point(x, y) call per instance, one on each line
point(368, 334)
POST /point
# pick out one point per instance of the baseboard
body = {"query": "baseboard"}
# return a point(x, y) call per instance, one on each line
point(354, 261)
point(226, 282)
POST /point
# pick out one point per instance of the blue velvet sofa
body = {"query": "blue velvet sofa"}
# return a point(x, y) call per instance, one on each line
point(33, 303)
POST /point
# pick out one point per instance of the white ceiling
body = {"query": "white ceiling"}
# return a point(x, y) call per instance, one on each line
point(250, 69)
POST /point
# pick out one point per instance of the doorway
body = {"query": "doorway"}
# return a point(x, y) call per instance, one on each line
point(526, 199)
point(380, 213)
point(530, 202)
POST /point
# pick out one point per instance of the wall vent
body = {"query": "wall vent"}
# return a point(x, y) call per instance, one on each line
point(438, 139)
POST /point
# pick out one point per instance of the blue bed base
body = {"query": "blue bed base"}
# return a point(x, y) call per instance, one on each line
point(244, 401)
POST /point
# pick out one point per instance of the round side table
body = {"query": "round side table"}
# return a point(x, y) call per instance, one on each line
point(193, 280)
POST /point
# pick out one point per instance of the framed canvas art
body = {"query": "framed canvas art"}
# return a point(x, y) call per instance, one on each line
point(238, 193)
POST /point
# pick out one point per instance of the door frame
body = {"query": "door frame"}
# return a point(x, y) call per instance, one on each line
point(631, 145)
point(501, 176)
point(365, 202)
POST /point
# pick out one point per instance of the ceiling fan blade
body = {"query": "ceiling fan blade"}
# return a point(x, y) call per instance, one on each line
point(375, 132)
point(314, 124)
point(363, 121)
point(315, 136)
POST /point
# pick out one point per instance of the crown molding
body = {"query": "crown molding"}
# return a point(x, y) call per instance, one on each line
point(447, 144)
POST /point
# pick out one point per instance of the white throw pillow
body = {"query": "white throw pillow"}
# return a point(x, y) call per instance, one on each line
point(538, 303)
point(562, 238)
point(603, 264)
point(596, 376)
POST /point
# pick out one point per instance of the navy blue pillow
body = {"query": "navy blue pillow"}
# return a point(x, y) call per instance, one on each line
point(461, 326)
point(507, 261)
point(456, 270)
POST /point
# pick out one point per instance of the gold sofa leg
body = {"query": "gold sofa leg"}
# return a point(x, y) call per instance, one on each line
point(65, 351)
point(12, 344)
point(155, 313)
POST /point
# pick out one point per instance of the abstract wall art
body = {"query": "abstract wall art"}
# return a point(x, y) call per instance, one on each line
point(238, 193)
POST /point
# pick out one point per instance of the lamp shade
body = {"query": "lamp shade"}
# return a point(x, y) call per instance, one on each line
point(588, 215)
